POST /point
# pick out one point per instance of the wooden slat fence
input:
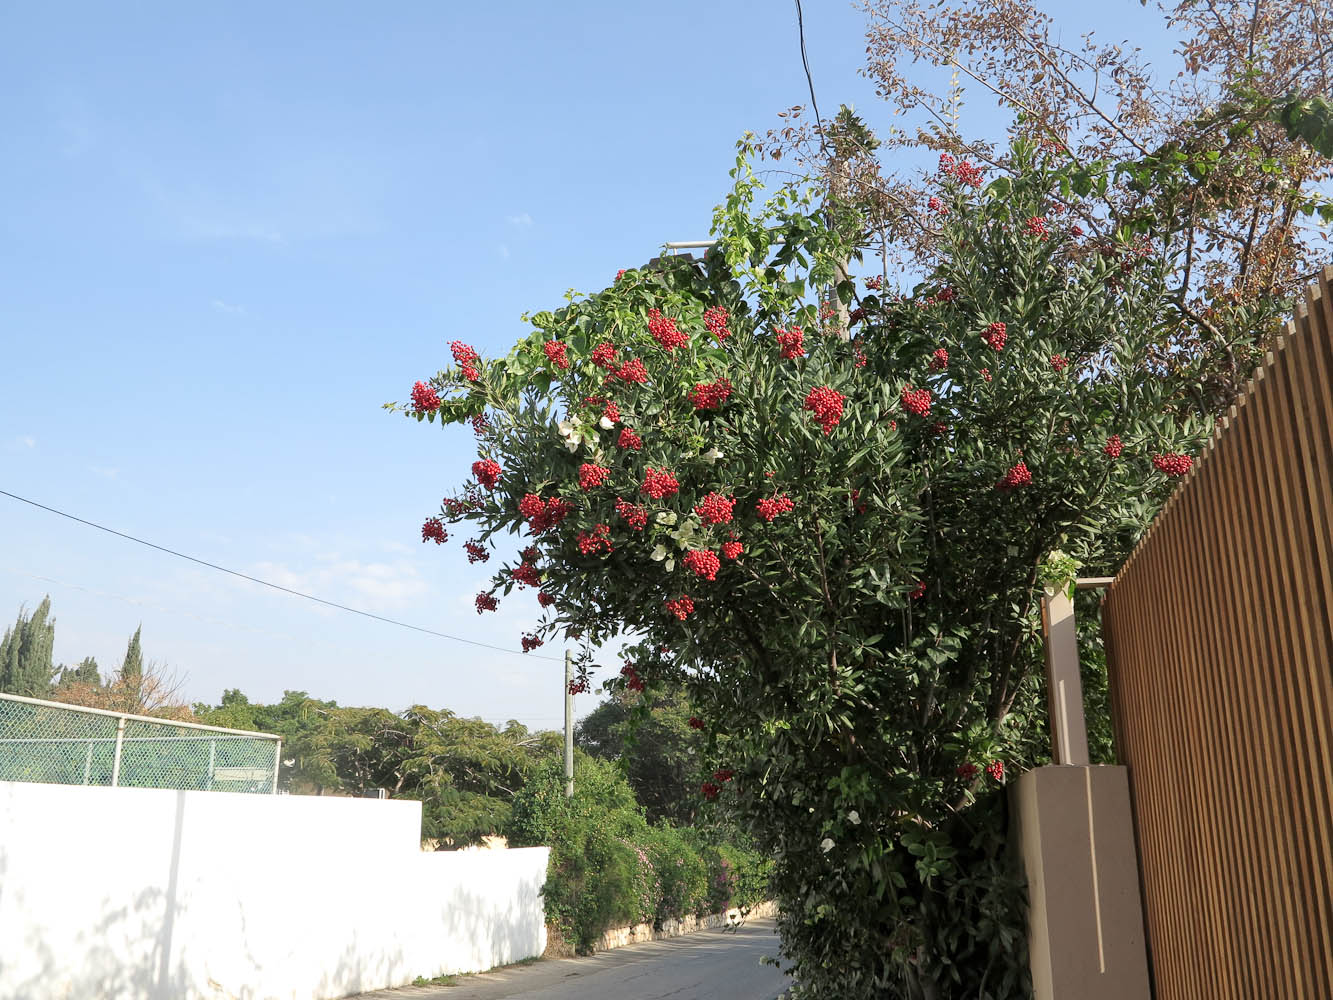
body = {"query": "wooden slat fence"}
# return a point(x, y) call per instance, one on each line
point(1219, 632)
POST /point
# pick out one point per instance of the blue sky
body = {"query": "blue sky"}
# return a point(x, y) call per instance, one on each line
point(231, 233)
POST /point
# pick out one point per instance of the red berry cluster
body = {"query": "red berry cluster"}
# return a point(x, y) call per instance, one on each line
point(612, 412)
point(542, 516)
point(664, 331)
point(875, 283)
point(631, 371)
point(433, 531)
point(486, 602)
point(555, 353)
point(995, 336)
point(696, 722)
point(629, 439)
point(579, 686)
point(604, 355)
point(476, 552)
point(996, 769)
point(985, 374)
point(703, 562)
point(732, 550)
point(715, 509)
point(710, 395)
point(531, 553)
point(1114, 446)
point(856, 315)
point(939, 360)
point(620, 274)
point(1017, 476)
point(424, 398)
point(595, 541)
point(681, 607)
point(709, 790)
point(591, 476)
point(526, 575)
point(946, 294)
point(1059, 362)
point(632, 679)
point(715, 320)
point(1036, 228)
point(1076, 230)
point(935, 205)
point(770, 507)
point(635, 516)
point(1173, 464)
point(860, 358)
point(791, 341)
point(480, 425)
point(466, 359)
point(487, 472)
point(916, 400)
point(826, 405)
point(968, 771)
point(659, 483)
point(723, 775)
point(531, 642)
point(919, 591)
point(967, 174)
point(545, 599)
point(455, 507)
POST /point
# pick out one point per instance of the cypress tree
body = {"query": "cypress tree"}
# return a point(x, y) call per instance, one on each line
point(132, 668)
point(25, 653)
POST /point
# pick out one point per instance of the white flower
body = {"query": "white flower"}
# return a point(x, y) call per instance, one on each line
point(605, 423)
point(826, 845)
point(572, 442)
point(659, 553)
point(855, 817)
point(711, 455)
point(667, 517)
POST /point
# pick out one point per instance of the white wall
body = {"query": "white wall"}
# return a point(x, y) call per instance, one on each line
point(151, 894)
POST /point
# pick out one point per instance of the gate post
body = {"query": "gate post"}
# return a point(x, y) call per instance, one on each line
point(1074, 831)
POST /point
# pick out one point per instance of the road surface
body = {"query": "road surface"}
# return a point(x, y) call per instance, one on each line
point(706, 965)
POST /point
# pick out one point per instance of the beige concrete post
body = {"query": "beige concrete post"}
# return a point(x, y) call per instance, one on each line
point(1064, 687)
point(1073, 829)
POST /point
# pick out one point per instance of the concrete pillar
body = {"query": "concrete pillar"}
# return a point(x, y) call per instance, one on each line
point(1073, 827)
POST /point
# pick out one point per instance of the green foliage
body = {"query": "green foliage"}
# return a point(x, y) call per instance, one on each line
point(133, 664)
point(662, 756)
point(25, 653)
point(610, 868)
point(85, 673)
point(878, 642)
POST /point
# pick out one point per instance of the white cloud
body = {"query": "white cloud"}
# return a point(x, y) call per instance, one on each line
point(228, 308)
point(27, 440)
point(522, 219)
point(382, 584)
point(105, 471)
point(504, 251)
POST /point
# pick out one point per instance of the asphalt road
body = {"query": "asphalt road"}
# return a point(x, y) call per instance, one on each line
point(707, 965)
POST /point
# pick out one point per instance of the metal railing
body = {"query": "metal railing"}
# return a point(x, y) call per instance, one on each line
point(49, 741)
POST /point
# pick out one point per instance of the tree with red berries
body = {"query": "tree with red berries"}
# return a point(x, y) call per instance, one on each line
point(840, 553)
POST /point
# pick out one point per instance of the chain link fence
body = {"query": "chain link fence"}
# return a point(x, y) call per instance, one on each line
point(66, 744)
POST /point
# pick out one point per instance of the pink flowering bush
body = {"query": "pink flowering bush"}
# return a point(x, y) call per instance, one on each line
point(836, 542)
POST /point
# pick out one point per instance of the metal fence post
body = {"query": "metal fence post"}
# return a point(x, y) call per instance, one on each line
point(120, 745)
point(569, 726)
point(277, 759)
point(88, 763)
point(212, 761)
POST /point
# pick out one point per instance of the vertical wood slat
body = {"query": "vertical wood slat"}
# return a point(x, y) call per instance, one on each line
point(1219, 643)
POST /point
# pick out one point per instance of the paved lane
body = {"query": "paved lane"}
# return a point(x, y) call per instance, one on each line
point(707, 965)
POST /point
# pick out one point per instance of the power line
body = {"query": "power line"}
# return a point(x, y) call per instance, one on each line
point(266, 583)
point(800, 27)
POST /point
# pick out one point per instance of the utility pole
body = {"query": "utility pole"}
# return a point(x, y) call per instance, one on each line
point(569, 725)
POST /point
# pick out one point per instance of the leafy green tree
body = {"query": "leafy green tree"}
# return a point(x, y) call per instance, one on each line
point(836, 536)
point(662, 756)
point(85, 673)
point(25, 653)
point(132, 666)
